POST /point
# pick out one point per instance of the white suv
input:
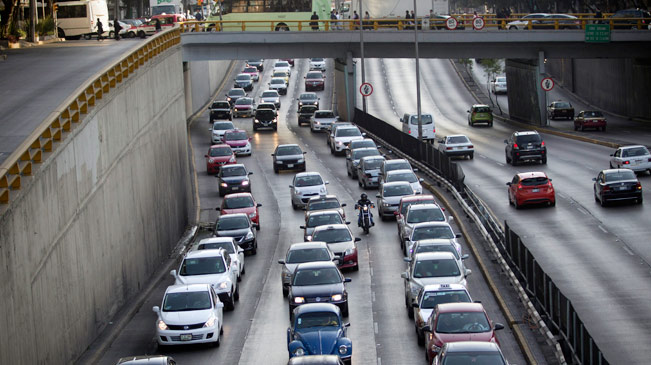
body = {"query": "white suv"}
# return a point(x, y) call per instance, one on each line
point(342, 137)
point(317, 64)
point(228, 244)
point(305, 186)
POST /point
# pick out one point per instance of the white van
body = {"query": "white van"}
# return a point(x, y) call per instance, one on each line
point(79, 18)
point(410, 125)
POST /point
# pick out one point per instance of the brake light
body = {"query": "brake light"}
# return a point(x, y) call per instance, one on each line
point(638, 186)
point(606, 188)
point(519, 186)
point(470, 146)
point(515, 146)
point(542, 144)
point(448, 148)
point(626, 162)
point(434, 130)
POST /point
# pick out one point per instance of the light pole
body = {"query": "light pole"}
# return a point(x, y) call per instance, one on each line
point(361, 46)
point(420, 123)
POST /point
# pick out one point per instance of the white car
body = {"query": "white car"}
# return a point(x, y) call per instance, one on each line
point(523, 23)
point(498, 86)
point(431, 296)
point(218, 129)
point(431, 230)
point(305, 186)
point(457, 145)
point(125, 31)
point(405, 175)
point(317, 64)
point(299, 253)
point(341, 242)
point(210, 267)
point(278, 84)
point(322, 120)
point(394, 164)
point(409, 124)
point(438, 245)
point(282, 66)
point(342, 136)
point(418, 213)
point(189, 314)
point(228, 244)
point(635, 158)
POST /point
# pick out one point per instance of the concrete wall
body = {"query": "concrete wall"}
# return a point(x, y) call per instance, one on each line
point(205, 78)
point(97, 218)
point(521, 75)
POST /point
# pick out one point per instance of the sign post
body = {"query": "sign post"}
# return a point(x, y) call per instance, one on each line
point(547, 84)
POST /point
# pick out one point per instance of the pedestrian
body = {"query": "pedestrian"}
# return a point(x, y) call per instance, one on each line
point(100, 30)
point(198, 16)
point(314, 25)
point(413, 17)
point(117, 28)
point(407, 17)
point(339, 25)
point(598, 15)
point(333, 16)
point(366, 22)
point(356, 19)
point(159, 27)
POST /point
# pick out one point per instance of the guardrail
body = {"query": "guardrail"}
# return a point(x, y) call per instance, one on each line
point(61, 121)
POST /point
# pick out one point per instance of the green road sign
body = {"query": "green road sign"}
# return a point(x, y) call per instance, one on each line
point(597, 33)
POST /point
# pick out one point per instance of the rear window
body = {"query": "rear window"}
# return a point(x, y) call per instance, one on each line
point(277, 81)
point(324, 115)
point(324, 204)
point(243, 77)
point(220, 151)
point(220, 105)
point(236, 92)
point(535, 181)
point(528, 138)
point(228, 171)
point(397, 190)
point(483, 109)
point(270, 94)
point(358, 154)
point(235, 136)
point(458, 139)
point(314, 75)
point(308, 97)
point(372, 164)
point(633, 152)
point(563, 105)
point(244, 101)
point(223, 126)
point(288, 151)
point(620, 175)
point(426, 118)
point(348, 132)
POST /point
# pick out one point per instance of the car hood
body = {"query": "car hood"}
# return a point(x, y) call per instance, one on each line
point(233, 232)
point(348, 139)
point(234, 179)
point(310, 189)
point(319, 342)
point(220, 158)
point(212, 279)
point(325, 120)
point(392, 199)
point(455, 337)
point(247, 210)
point(425, 313)
point(317, 290)
point(242, 106)
point(239, 143)
point(340, 246)
point(186, 317)
point(289, 157)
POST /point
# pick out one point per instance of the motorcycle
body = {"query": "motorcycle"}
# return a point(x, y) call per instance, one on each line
point(365, 216)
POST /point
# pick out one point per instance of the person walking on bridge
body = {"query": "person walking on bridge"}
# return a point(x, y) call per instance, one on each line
point(100, 30)
point(314, 25)
point(117, 28)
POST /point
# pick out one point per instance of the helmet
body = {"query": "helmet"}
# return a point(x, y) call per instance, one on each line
point(364, 196)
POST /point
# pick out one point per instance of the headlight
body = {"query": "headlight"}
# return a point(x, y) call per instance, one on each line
point(210, 322)
point(299, 300)
point(249, 235)
point(224, 185)
point(309, 238)
point(223, 285)
point(299, 352)
point(343, 349)
point(301, 160)
point(161, 325)
point(386, 204)
point(322, 190)
point(340, 143)
point(415, 288)
point(232, 159)
point(349, 251)
point(337, 297)
point(279, 162)
point(300, 103)
point(286, 275)
point(245, 182)
point(210, 160)
point(251, 215)
point(297, 192)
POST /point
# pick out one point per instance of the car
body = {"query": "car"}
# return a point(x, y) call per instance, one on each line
point(305, 113)
point(389, 197)
point(253, 72)
point(211, 267)
point(270, 96)
point(361, 143)
point(217, 156)
point(406, 202)
point(233, 94)
point(278, 84)
point(531, 188)
point(353, 157)
point(564, 21)
point(125, 30)
point(536, 20)
point(393, 164)
point(282, 66)
point(429, 268)
point(189, 314)
point(341, 137)
point(308, 99)
point(240, 227)
point(617, 185)
point(333, 129)
point(218, 129)
point(146, 359)
point(590, 119)
point(317, 64)
point(498, 85)
point(437, 245)
point(239, 141)
point(314, 80)
point(341, 242)
point(318, 282)
point(457, 145)
point(244, 107)
point(417, 213)
point(241, 203)
point(409, 123)
point(452, 322)
point(368, 171)
point(316, 360)
point(322, 120)
point(288, 157)
point(318, 329)
point(636, 158)
point(285, 75)
point(472, 352)
point(306, 185)
point(265, 118)
point(233, 178)
point(431, 230)
point(439, 21)
point(220, 109)
point(525, 146)
point(432, 295)
point(258, 63)
point(626, 19)
point(289, 60)
point(480, 113)
point(167, 21)
point(229, 245)
point(405, 175)
point(299, 253)
point(325, 202)
point(320, 218)
point(270, 106)
point(560, 109)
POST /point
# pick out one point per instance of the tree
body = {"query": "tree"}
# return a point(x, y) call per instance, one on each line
point(7, 15)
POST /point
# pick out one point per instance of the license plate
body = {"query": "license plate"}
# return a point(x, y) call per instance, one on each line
point(635, 162)
point(186, 337)
point(236, 188)
point(290, 165)
point(620, 188)
point(535, 190)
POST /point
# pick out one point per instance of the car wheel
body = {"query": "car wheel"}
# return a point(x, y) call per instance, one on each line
point(576, 128)
point(552, 203)
point(611, 165)
point(602, 201)
point(640, 199)
point(515, 203)
point(276, 169)
point(348, 173)
point(410, 311)
point(255, 128)
point(111, 34)
point(294, 206)
point(509, 197)
point(257, 228)
point(243, 270)
point(229, 305)
point(285, 291)
point(490, 124)
point(508, 161)
point(344, 310)
point(544, 160)
point(472, 155)
point(420, 338)
point(236, 296)
point(254, 250)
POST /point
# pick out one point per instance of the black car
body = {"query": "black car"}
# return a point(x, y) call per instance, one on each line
point(560, 109)
point(220, 110)
point(318, 282)
point(308, 99)
point(233, 94)
point(617, 185)
point(625, 19)
point(288, 157)
point(233, 179)
point(240, 227)
point(525, 146)
point(305, 113)
point(265, 118)
point(259, 64)
point(244, 81)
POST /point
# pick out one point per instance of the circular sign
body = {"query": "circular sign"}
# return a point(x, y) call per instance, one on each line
point(478, 23)
point(366, 89)
point(451, 23)
point(547, 84)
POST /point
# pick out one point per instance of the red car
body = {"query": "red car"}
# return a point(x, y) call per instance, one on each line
point(531, 188)
point(454, 322)
point(218, 155)
point(314, 80)
point(239, 141)
point(289, 60)
point(590, 119)
point(241, 203)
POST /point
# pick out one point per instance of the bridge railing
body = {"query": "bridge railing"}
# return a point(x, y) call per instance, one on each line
point(59, 123)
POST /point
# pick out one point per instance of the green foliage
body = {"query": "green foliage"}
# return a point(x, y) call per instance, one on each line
point(490, 66)
point(466, 62)
point(45, 26)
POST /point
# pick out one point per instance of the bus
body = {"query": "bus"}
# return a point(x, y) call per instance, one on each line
point(279, 15)
point(79, 18)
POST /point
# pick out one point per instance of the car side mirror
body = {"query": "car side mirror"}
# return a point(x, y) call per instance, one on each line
point(465, 256)
point(377, 195)
point(218, 208)
point(348, 158)
point(458, 235)
point(335, 260)
point(505, 141)
point(467, 272)
point(499, 326)
point(594, 179)
point(347, 280)
point(291, 186)
point(255, 225)
point(357, 239)
point(415, 170)
point(467, 111)
point(327, 182)
point(422, 180)
point(343, 205)
point(363, 134)
point(508, 183)
point(304, 152)
point(406, 259)
point(404, 275)
point(240, 250)
point(173, 273)
point(347, 324)
point(156, 309)
point(282, 262)
point(205, 155)
point(250, 173)
point(415, 305)
point(347, 222)
point(219, 305)
point(258, 205)
point(273, 154)
point(427, 329)
point(301, 227)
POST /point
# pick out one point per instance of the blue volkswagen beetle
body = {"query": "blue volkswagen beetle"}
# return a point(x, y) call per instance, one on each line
point(318, 329)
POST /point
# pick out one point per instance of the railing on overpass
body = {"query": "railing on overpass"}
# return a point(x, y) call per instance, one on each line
point(60, 122)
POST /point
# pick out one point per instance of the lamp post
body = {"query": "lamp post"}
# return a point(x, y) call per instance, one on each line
point(361, 46)
point(420, 123)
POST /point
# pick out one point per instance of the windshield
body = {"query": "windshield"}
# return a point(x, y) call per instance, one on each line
point(397, 190)
point(308, 96)
point(406, 204)
point(288, 151)
point(228, 171)
point(270, 94)
point(402, 165)
point(265, 114)
point(314, 75)
point(186, 301)
point(593, 115)
point(483, 109)
point(409, 177)
point(243, 78)
point(222, 126)
point(427, 119)
point(323, 204)
point(464, 322)
point(566, 105)
point(324, 115)
point(202, 266)
point(362, 143)
point(485, 358)
point(221, 105)
point(236, 92)
point(534, 181)
point(348, 132)
point(323, 276)
point(458, 139)
point(436, 248)
point(251, 69)
point(528, 138)
point(425, 215)
point(279, 74)
point(226, 223)
point(332, 235)
point(501, 79)
point(316, 59)
point(244, 101)
point(238, 202)
point(220, 151)
point(632, 152)
point(253, 62)
point(427, 232)
point(436, 268)
point(372, 164)
point(281, 64)
point(228, 246)
point(323, 219)
point(277, 81)
point(323, 319)
point(309, 180)
point(235, 136)
point(432, 299)
point(307, 255)
point(620, 175)
point(357, 154)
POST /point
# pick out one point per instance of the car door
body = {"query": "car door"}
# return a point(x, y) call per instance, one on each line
point(231, 272)
point(616, 160)
point(513, 187)
point(405, 123)
point(219, 310)
point(598, 185)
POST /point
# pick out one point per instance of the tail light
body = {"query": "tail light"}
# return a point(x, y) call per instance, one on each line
point(434, 130)
point(638, 186)
point(519, 186)
point(515, 146)
point(542, 144)
point(409, 131)
point(469, 147)
point(626, 162)
point(448, 148)
point(606, 188)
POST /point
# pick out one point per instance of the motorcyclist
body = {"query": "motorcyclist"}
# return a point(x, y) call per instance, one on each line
point(363, 200)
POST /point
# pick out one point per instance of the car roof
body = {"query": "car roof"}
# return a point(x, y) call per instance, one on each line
point(482, 105)
point(435, 242)
point(427, 206)
point(443, 287)
point(457, 135)
point(440, 255)
point(213, 252)
point(323, 212)
point(531, 174)
point(308, 94)
point(221, 145)
point(415, 198)
point(317, 307)
point(243, 74)
point(400, 171)
point(325, 110)
point(307, 245)
point(216, 240)
point(633, 146)
point(326, 227)
point(613, 171)
point(376, 157)
point(308, 173)
point(396, 160)
point(324, 197)
point(431, 224)
point(289, 145)
point(394, 183)
point(315, 265)
point(460, 307)
point(236, 88)
point(523, 133)
point(471, 346)
point(233, 215)
point(235, 130)
point(180, 288)
point(366, 149)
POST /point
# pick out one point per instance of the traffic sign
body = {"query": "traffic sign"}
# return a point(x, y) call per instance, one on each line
point(547, 84)
point(451, 23)
point(366, 89)
point(597, 33)
point(478, 23)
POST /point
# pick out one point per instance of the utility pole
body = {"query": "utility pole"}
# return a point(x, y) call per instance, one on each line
point(33, 18)
point(420, 122)
point(361, 46)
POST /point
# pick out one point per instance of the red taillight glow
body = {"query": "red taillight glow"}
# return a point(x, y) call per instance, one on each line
point(626, 162)
point(519, 186)
point(515, 146)
point(448, 148)
point(638, 186)
point(606, 188)
point(542, 144)
point(470, 147)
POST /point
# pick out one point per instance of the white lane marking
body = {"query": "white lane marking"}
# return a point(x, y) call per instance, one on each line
point(500, 164)
point(582, 210)
point(628, 251)
point(379, 360)
point(603, 229)
point(371, 271)
point(375, 328)
point(373, 296)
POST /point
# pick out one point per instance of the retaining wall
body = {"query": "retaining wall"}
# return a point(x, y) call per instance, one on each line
point(205, 78)
point(523, 105)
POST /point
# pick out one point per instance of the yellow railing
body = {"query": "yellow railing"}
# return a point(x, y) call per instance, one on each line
point(70, 112)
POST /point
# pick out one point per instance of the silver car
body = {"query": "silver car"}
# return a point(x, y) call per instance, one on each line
point(395, 164)
point(305, 186)
point(322, 120)
point(405, 175)
point(325, 202)
point(270, 96)
point(431, 230)
point(388, 199)
point(353, 157)
point(368, 171)
point(341, 242)
point(431, 296)
point(361, 143)
point(320, 218)
point(299, 253)
point(418, 213)
point(457, 145)
point(438, 245)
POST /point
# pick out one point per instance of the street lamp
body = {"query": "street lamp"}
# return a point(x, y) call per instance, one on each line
point(361, 46)
point(420, 123)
